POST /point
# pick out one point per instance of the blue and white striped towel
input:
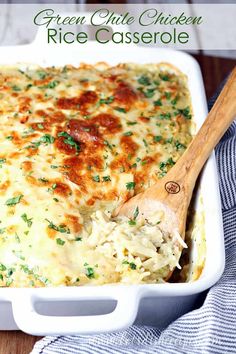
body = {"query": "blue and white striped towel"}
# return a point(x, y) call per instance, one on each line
point(209, 329)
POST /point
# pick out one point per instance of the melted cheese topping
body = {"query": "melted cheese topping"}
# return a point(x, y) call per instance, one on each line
point(75, 141)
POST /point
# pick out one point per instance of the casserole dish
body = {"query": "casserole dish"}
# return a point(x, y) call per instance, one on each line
point(106, 308)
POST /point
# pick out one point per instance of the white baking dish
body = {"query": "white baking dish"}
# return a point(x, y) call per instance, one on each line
point(42, 311)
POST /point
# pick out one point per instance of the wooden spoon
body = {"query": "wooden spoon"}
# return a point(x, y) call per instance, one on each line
point(174, 191)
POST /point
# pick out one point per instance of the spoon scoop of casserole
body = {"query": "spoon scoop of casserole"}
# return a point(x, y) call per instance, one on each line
point(172, 194)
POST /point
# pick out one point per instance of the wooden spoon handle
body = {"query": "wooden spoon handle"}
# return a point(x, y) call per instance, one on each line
point(218, 120)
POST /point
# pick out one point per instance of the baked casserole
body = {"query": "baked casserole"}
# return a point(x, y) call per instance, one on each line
point(75, 144)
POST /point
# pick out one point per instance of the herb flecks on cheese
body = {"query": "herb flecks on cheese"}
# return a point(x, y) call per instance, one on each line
point(75, 141)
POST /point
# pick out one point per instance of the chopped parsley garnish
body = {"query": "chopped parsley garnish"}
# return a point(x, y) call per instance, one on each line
point(28, 86)
point(10, 271)
point(16, 88)
point(157, 138)
point(145, 143)
point(131, 123)
point(47, 139)
point(108, 144)
point(9, 282)
point(169, 141)
point(40, 126)
point(136, 212)
point(2, 230)
point(132, 222)
point(54, 186)
point(27, 220)
point(14, 201)
point(144, 80)
point(125, 262)
point(157, 102)
point(2, 267)
point(2, 161)
point(51, 85)
point(61, 228)
point(42, 75)
point(54, 166)
point(149, 93)
point(179, 145)
point(129, 133)
point(9, 137)
point(60, 241)
point(96, 178)
point(164, 164)
point(90, 272)
point(64, 69)
point(170, 161)
point(132, 265)
point(69, 140)
point(106, 178)
point(106, 100)
point(165, 115)
point(174, 101)
point(168, 95)
point(164, 77)
point(185, 112)
point(18, 254)
point(17, 238)
point(78, 239)
point(34, 145)
point(26, 269)
point(120, 109)
point(44, 180)
point(130, 185)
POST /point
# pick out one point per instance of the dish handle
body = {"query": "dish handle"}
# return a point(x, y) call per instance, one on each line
point(30, 321)
point(42, 30)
